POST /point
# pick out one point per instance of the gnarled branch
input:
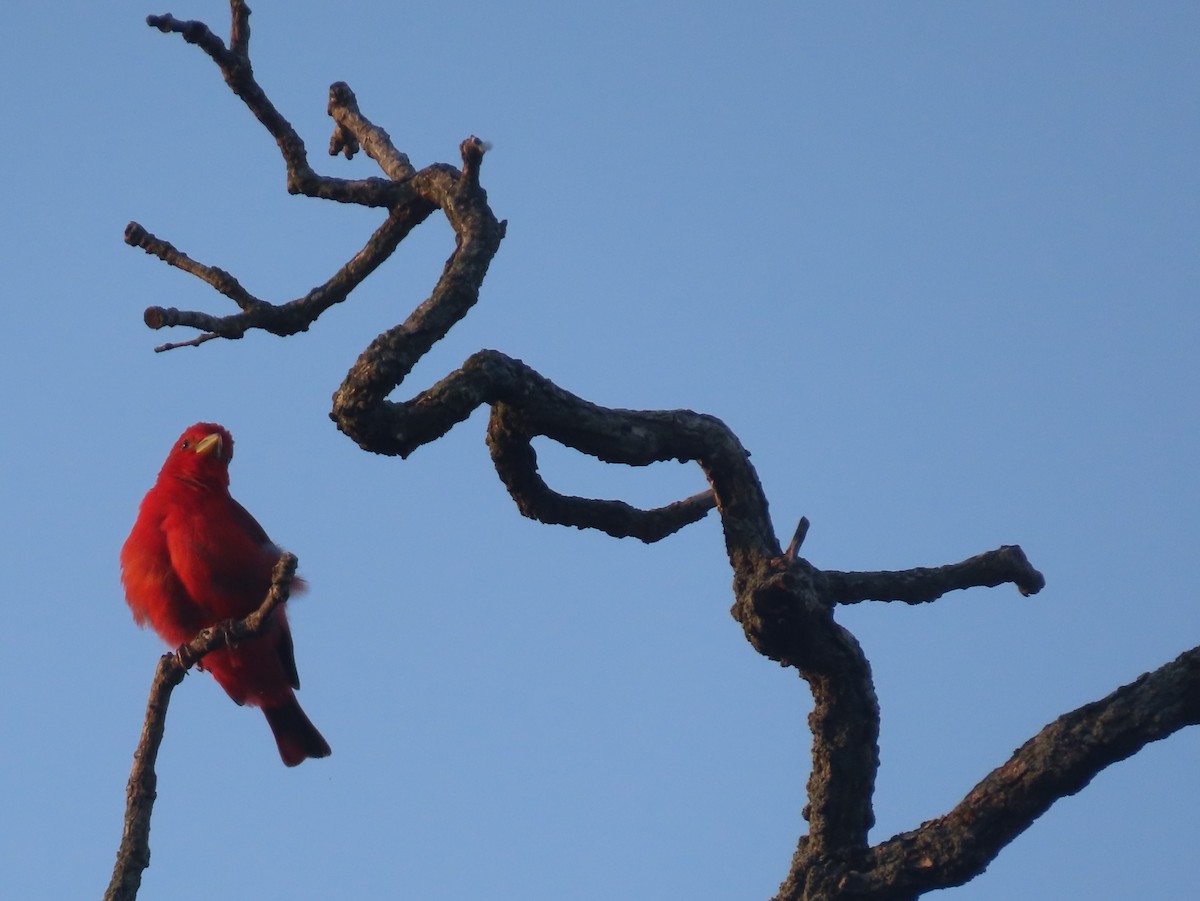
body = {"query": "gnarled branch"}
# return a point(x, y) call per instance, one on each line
point(784, 604)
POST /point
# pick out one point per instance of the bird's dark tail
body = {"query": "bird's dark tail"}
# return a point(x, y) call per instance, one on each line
point(296, 736)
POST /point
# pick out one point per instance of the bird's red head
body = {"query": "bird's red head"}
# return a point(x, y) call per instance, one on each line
point(201, 455)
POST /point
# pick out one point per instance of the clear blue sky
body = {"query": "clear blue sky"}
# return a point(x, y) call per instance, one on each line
point(936, 264)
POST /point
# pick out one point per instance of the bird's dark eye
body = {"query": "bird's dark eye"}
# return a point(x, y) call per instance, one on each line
point(185, 444)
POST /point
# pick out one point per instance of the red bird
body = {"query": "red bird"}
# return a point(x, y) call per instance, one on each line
point(196, 557)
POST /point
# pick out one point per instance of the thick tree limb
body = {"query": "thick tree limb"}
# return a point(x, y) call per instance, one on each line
point(630, 437)
point(787, 614)
point(133, 856)
point(784, 604)
point(845, 727)
point(1057, 762)
point(785, 618)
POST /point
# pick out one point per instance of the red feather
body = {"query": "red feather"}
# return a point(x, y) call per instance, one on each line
point(196, 557)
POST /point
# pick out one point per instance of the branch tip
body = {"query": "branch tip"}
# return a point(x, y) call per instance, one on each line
point(1027, 579)
point(1031, 585)
point(921, 585)
point(343, 140)
point(239, 32)
point(340, 94)
point(797, 538)
point(472, 150)
point(155, 317)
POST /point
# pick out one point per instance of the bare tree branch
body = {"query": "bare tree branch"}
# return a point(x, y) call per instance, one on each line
point(784, 604)
point(287, 318)
point(137, 236)
point(352, 126)
point(516, 464)
point(630, 437)
point(133, 856)
point(239, 75)
point(924, 584)
point(239, 31)
point(1057, 762)
point(786, 618)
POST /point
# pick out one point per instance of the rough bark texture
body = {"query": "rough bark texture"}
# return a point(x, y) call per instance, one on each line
point(785, 604)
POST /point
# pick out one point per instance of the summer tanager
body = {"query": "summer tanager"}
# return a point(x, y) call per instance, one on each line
point(196, 557)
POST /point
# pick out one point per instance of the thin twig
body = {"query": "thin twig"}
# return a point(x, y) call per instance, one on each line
point(793, 548)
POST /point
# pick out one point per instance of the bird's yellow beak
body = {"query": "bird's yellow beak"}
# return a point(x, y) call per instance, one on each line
point(208, 444)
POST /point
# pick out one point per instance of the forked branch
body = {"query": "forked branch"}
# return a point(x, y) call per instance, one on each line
point(134, 854)
point(1057, 762)
point(784, 604)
